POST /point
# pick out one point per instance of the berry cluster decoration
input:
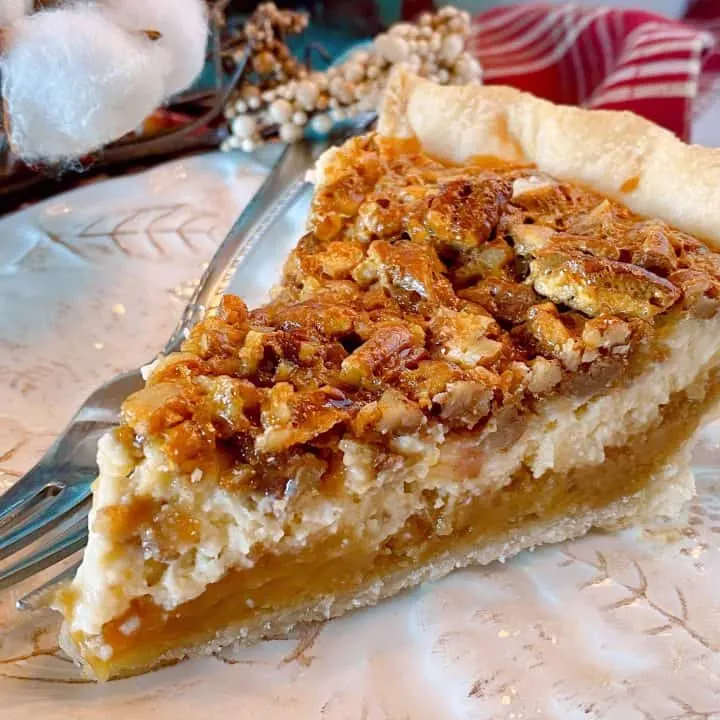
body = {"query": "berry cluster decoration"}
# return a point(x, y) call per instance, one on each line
point(284, 98)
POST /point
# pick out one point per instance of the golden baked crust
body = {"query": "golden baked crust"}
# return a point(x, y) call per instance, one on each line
point(422, 293)
point(617, 153)
point(454, 348)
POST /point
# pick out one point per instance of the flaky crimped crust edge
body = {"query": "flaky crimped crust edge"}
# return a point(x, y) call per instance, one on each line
point(617, 153)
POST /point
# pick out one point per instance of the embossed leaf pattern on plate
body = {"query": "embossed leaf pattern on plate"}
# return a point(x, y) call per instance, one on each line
point(619, 626)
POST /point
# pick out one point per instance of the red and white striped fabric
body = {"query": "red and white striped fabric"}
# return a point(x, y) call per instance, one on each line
point(605, 58)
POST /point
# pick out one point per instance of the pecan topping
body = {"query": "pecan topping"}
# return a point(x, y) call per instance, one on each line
point(594, 285)
point(422, 294)
point(465, 211)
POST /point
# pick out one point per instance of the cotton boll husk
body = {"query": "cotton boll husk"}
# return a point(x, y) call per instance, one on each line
point(11, 10)
point(73, 81)
point(183, 26)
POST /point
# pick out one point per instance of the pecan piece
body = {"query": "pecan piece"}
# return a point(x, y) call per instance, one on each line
point(596, 286)
point(551, 336)
point(466, 402)
point(531, 239)
point(291, 418)
point(700, 292)
point(494, 258)
point(411, 272)
point(506, 301)
point(392, 414)
point(384, 351)
point(652, 248)
point(464, 213)
point(544, 375)
point(159, 406)
point(462, 337)
point(339, 258)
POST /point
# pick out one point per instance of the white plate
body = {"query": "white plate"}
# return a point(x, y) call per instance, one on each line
point(622, 626)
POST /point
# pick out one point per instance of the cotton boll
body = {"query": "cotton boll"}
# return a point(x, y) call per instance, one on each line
point(12, 10)
point(183, 27)
point(73, 81)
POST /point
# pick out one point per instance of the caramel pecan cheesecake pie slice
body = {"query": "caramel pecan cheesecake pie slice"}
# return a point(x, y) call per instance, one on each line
point(501, 329)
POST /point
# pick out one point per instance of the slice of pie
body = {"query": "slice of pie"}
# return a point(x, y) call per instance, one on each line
point(501, 329)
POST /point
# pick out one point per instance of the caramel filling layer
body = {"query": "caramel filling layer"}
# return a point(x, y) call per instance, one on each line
point(341, 566)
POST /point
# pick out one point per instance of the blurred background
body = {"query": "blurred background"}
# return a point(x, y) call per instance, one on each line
point(368, 17)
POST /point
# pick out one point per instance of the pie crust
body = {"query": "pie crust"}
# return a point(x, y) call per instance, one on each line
point(480, 345)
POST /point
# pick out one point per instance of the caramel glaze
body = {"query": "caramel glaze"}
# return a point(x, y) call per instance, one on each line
point(421, 293)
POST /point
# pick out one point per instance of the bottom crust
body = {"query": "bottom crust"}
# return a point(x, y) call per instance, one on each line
point(646, 477)
point(667, 493)
point(661, 493)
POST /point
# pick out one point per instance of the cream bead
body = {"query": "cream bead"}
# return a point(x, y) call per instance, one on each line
point(402, 29)
point(354, 72)
point(321, 124)
point(247, 145)
point(459, 25)
point(467, 68)
point(361, 57)
point(307, 93)
point(280, 111)
point(451, 48)
point(341, 90)
point(300, 118)
point(392, 48)
point(290, 132)
point(244, 126)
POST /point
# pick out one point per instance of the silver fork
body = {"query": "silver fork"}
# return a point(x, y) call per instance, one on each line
point(59, 485)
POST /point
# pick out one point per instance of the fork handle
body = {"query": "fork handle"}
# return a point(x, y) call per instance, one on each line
point(278, 192)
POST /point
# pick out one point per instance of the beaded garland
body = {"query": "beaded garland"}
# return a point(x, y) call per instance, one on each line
point(290, 98)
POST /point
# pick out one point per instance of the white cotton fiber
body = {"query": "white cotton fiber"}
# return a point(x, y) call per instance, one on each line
point(73, 81)
point(183, 27)
point(11, 10)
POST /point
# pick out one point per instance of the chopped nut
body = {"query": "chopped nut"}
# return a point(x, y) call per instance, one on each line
point(507, 301)
point(700, 293)
point(252, 352)
point(291, 418)
point(605, 332)
point(544, 375)
point(464, 212)
point(528, 189)
point(340, 258)
point(462, 337)
point(393, 413)
point(411, 273)
point(597, 286)
point(465, 403)
point(159, 406)
point(492, 259)
point(603, 219)
point(552, 336)
point(655, 252)
point(530, 239)
point(381, 352)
